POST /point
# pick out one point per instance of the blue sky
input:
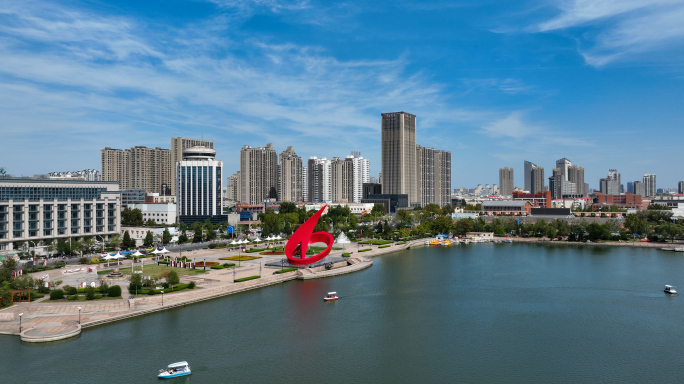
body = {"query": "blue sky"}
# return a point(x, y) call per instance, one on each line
point(494, 82)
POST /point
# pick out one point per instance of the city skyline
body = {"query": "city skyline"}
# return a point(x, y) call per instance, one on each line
point(517, 82)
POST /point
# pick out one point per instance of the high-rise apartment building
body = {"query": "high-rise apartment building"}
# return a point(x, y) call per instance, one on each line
point(178, 144)
point(290, 176)
point(305, 183)
point(442, 178)
point(259, 173)
point(361, 175)
point(319, 179)
point(506, 181)
point(650, 184)
point(141, 168)
point(341, 180)
point(537, 182)
point(527, 175)
point(576, 175)
point(233, 187)
point(199, 186)
point(425, 167)
point(399, 174)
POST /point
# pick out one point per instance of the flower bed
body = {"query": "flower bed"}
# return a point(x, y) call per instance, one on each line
point(207, 264)
point(272, 253)
point(240, 258)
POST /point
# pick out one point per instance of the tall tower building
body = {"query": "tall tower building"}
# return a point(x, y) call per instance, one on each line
point(537, 182)
point(576, 175)
point(562, 165)
point(556, 182)
point(290, 176)
point(506, 181)
point(305, 183)
point(178, 144)
point(143, 168)
point(259, 173)
point(442, 178)
point(233, 187)
point(650, 184)
point(399, 174)
point(425, 160)
point(527, 175)
point(199, 186)
point(639, 188)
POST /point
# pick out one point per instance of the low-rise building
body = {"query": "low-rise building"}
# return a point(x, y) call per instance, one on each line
point(161, 213)
point(157, 198)
point(506, 207)
point(538, 200)
point(626, 201)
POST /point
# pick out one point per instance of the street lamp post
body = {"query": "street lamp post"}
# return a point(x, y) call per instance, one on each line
point(162, 292)
point(79, 315)
point(20, 315)
point(204, 263)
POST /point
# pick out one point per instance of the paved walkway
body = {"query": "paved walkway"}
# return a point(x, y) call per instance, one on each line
point(47, 319)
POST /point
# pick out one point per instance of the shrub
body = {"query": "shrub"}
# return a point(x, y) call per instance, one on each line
point(365, 250)
point(384, 246)
point(228, 265)
point(247, 278)
point(151, 292)
point(104, 288)
point(70, 290)
point(73, 298)
point(114, 291)
point(191, 285)
point(82, 260)
point(56, 294)
point(90, 293)
point(165, 285)
point(346, 254)
point(217, 267)
point(94, 260)
point(286, 270)
point(97, 297)
point(212, 246)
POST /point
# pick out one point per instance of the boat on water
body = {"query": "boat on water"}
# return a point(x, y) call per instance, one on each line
point(332, 296)
point(446, 242)
point(175, 370)
point(434, 242)
point(670, 290)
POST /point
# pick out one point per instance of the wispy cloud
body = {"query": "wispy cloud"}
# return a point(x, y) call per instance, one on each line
point(621, 30)
point(515, 129)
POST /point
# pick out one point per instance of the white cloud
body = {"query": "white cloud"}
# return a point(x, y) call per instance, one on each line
point(627, 29)
point(514, 130)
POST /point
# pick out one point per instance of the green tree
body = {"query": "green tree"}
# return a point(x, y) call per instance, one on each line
point(150, 223)
point(114, 241)
point(149, 239)
point(443, 225)
point(128, 242)
point(287, 207)
point(131, 217)
point(135, 284)
point(7, 267)
point(432, 209)
point(403, 218)
point(183, 238)
point(166, 236)
point(447, 210)
point(378, 210)
point(172, 278)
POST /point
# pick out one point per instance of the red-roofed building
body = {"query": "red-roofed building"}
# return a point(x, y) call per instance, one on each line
point(626, 201)
point(537, 200)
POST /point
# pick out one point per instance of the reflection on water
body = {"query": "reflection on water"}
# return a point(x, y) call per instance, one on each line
point(490, 313)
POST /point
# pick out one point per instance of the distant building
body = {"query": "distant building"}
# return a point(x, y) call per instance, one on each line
point(86, 174)
point(537, 183)
point(371, 189)
point(506, 181)
point(361, 175)
point(576, 176)
point(161, 213)
point(319, 179)
point(132, 196)
point(538, 200)
point(498, 207)
point(391, 201)
point(154, 198)
point(610, 185)
point(425, 158)
point(650, 184)
point(639, 188)
point(259, 174)
point(680, 187)
point(626, 201)
point(290, 176)
point(149, 169)
point(527, 175)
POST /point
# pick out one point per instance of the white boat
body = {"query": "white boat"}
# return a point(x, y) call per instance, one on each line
point(332, 296)
point(670, 289)
point(175, 370)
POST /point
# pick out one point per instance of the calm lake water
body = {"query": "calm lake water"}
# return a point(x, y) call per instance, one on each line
point(482, 313)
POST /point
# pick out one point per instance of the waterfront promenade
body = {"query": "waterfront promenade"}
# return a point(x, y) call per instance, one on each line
point(49, 321)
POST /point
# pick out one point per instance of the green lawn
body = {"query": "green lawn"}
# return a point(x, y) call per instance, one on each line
point(240, 258)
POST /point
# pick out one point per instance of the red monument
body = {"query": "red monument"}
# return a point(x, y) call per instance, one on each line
point(299, 242)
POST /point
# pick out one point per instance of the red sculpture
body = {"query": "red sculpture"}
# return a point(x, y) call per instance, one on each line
point(299, 242)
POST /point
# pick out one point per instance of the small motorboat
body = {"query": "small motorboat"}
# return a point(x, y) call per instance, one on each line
point(670, 289)
point(175, 370)
point(434, 242)
point(332, 296)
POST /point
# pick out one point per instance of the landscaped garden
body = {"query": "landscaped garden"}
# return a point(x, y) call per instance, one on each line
point(240, 258)
point(156, 270)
